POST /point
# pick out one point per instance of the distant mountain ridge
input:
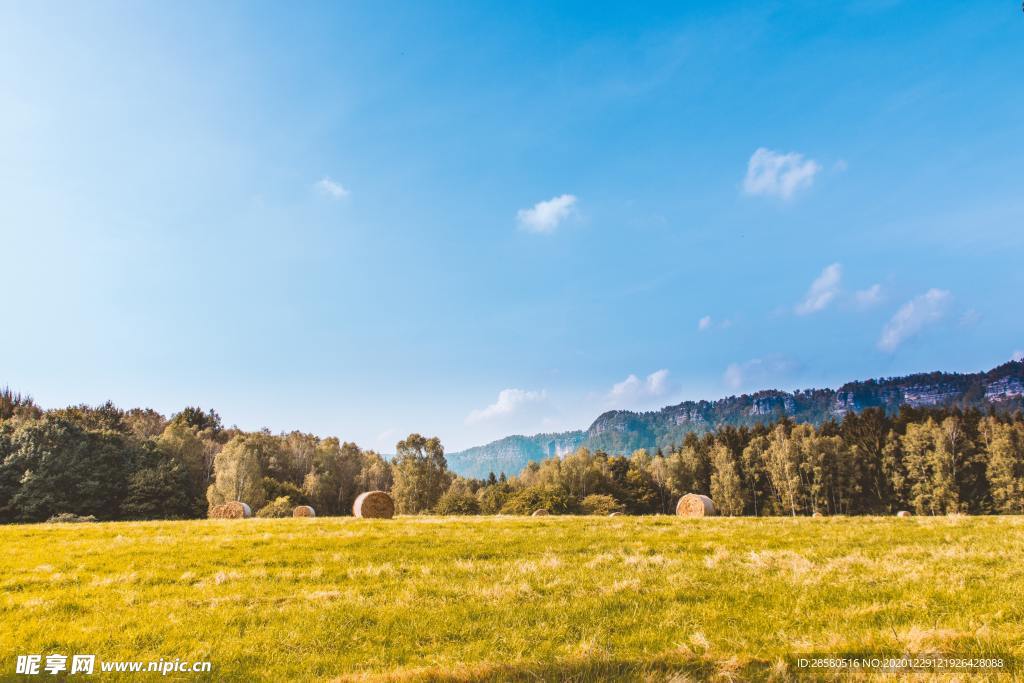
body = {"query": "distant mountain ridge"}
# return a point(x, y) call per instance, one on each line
point(623, 431)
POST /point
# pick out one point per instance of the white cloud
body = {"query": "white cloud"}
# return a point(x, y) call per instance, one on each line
point(772, 174)
point(866, 298)
point(759, 371)
point(545, 216)
point(708, 323)
point(509, 402)
point(912, 317)
point(633, 388)
point(331, 188)
point(734, 376)
point(1018, 356)
point(822, 291)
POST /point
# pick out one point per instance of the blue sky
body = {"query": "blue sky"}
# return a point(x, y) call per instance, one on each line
point(476, 219)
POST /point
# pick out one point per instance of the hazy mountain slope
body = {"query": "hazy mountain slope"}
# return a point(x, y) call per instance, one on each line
point(511, 454)
point(622, 431)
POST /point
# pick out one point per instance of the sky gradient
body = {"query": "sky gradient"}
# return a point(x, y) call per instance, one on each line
point(473, 219)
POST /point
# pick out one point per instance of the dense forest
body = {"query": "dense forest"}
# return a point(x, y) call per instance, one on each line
point(109, 463)
point(623, 431)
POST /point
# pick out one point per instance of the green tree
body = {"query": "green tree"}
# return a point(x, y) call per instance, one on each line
point(274, 489)
point(159, 491)
point(375, 474)
point(757, 476)
point(333, 482)
point(297, 452)
point(865, 435)
point(10, 472)
point(62, 467)
point(181, 443)
point(528, 500)
point(271, 455)
point(458, 499)
point(197, 419)
point(827, 472)
point(689, 468)
point(726, 489)
point(934, 456)
point(281, 506)
point(238, 472)
point(1004, 448)
point(600, 504)
point(782, 465)
point(102, 418)
point(661, 478)
point(15, 406)
point(643, 494)
point(420, 472)
point(144, 423)
point(492, 498)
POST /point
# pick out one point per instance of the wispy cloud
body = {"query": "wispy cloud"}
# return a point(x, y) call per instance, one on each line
point(331, 189)
point(773, 174)
point(545, 216)
point(509, 402)
point(757, 371)
point(707, 323)
point(1018, 356)
point(634, 389)
point(866, 298)
point(912, 317)
point(823, 290)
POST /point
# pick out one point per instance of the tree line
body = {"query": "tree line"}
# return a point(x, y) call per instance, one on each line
point(136, 464)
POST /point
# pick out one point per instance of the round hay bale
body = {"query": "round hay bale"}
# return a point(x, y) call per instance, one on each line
point(237, 510)
point(904, 513)
point(540, 513)
point(374, 505)
point(615, 514)
point(303, 511)
point(695, 505)
point(817, 514)
point(231, 510)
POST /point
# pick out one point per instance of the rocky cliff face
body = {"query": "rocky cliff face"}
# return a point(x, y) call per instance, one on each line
point(1007, 388)
point(623, 431)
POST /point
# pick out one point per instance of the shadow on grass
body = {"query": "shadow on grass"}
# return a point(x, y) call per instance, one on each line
point(589, 670)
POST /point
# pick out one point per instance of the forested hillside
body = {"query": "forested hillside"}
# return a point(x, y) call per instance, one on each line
point(622, 431)
point(107, 463)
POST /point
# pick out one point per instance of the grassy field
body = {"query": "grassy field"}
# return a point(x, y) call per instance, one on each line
point(511, 598)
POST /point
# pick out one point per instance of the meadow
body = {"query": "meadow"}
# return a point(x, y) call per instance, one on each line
point(511, 598)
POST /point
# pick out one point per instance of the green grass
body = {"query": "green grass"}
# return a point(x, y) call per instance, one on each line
point(504, 598)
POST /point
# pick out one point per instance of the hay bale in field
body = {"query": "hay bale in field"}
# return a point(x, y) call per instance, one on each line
point(70, 518)
point(540, 513)
point(303, 511)
point(374, 505)
point(231, 510)
point(904, 513)
point(615, 514)
point(817, 514)
point(695, 505)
